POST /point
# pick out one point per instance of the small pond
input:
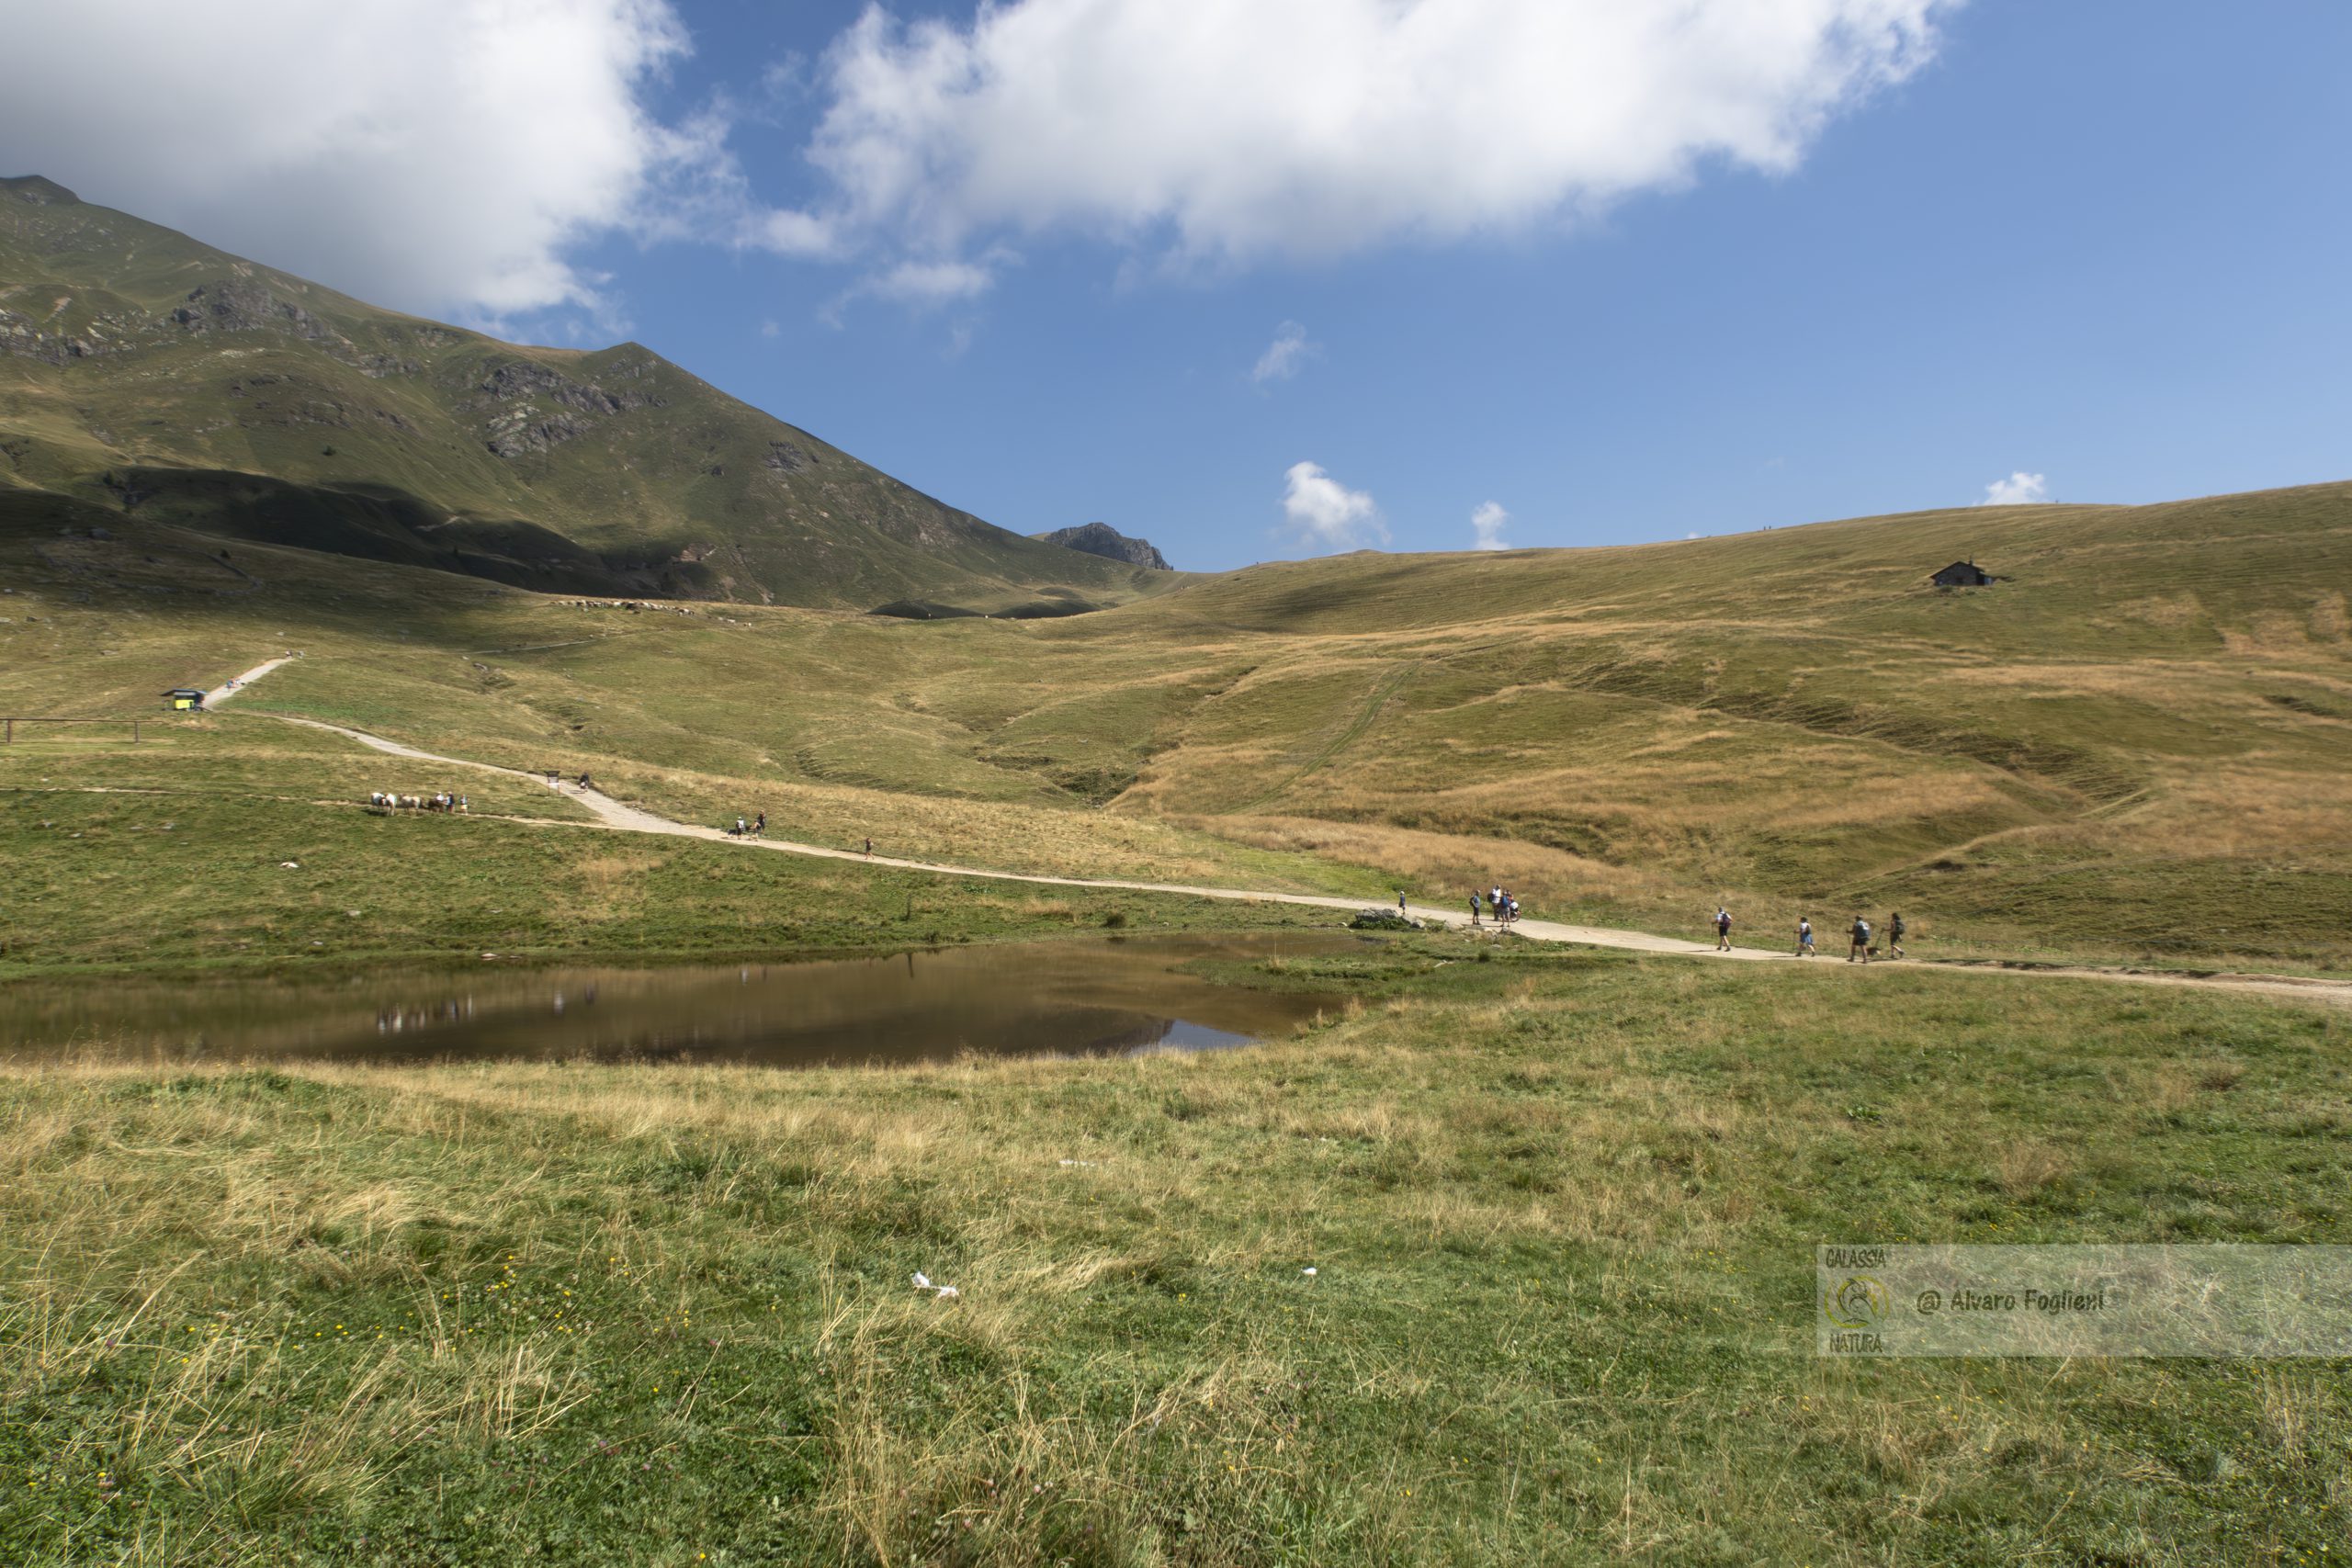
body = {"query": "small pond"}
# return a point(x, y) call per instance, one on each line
point(1095, 996)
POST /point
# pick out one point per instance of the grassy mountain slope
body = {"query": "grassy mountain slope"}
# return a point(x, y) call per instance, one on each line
point(151, 373)
point(2140, 738)
point(2140, 743)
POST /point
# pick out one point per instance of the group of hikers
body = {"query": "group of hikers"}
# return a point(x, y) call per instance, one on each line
point(756, 826)
point(1861, 951)
point(555, 780)
point(1500, 906)
point(443, 801)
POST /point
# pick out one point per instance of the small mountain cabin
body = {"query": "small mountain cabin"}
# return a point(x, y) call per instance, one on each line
point(184, 699)
point(1963, 574)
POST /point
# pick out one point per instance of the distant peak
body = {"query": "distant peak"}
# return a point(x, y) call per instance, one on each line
point(40, 192)
point(1102, 539)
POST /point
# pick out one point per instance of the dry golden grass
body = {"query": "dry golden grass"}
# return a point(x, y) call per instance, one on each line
point(994, 834)
point(1437, 861)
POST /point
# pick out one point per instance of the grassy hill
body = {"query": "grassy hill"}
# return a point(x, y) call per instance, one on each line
point(151, 374)
point(2140, 737)
point(2135, 746)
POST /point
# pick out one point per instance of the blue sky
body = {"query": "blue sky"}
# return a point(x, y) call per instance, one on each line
point(2100, 245)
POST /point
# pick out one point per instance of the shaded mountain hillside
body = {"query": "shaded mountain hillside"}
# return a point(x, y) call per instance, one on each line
point(152, 373)
point(1102, 539)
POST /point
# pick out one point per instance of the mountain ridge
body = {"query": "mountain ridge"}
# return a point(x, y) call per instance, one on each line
point(142, 368)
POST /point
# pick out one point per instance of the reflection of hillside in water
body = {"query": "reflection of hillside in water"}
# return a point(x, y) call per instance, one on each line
point(1077, 999)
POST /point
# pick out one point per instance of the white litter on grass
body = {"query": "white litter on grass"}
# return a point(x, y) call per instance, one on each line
point(945, 1293)
point(289, 865)
point(948, 1292)
point(1308, 1272)
point(1082, 1163)
point(923, 1281)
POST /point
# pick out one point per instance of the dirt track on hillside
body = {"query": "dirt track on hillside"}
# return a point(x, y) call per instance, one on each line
point(236, 684)
point(622, 818)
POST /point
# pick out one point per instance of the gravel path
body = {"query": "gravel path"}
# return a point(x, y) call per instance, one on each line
point(621, 817)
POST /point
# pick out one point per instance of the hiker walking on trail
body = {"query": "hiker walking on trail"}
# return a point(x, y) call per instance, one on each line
point(1400, 900)
point(742, 826)
point(1474, 907)
point(760, 825)
point(1862, 948)
point(1722, 929)
point(1894, 936)
point(869, 849)
point(1804, 937)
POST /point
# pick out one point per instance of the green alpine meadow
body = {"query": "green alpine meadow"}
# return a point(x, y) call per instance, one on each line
point(1489, 909)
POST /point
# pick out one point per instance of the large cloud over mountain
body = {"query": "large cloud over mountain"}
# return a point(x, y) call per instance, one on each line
point(428, 154)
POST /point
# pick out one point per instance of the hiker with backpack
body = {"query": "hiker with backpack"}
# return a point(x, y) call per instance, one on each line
point(1894, 936)
point(1861, 949)
point(1723, 929)
point(1804, 937)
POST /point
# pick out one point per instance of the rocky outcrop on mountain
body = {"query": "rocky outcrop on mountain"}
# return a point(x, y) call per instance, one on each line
point(238, 306)
point(1102, 539)
point(525, 427)
point(39, 192)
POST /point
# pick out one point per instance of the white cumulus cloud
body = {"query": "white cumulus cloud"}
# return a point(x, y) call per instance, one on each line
point(1489, 523)
point(429, 154)
point(933, 283)
point(1284, 355)
point(2019, 489)
point(1324, 511)
point(1225, 130)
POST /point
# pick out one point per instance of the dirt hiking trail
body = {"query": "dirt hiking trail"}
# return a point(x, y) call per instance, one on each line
point(620, 816)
